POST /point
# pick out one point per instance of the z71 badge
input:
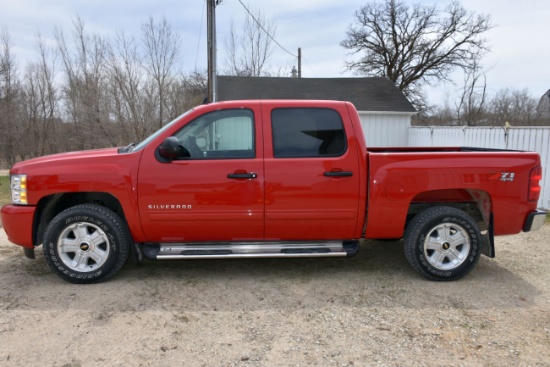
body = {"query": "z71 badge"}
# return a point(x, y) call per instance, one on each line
point(503, 176)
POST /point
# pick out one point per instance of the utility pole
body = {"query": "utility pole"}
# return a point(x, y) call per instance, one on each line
point(211, 35)
point(299, 62)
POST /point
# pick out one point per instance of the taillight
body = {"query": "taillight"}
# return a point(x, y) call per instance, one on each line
point(534, 187)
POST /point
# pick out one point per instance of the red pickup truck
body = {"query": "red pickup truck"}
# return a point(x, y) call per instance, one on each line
point(265, 178)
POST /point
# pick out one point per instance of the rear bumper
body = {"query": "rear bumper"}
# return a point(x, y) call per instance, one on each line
point(17, 221)
point(534, 221)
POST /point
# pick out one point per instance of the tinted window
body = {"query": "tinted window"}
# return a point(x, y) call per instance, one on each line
point(219, 134)
point(307, 132)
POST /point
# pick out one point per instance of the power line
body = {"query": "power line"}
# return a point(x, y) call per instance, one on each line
point(309, 67)
point(200, 36)
point(266, 32)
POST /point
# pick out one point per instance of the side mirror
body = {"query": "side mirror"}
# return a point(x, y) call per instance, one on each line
point(170, 148)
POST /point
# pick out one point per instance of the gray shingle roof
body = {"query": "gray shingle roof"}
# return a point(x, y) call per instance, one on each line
point(367, 94)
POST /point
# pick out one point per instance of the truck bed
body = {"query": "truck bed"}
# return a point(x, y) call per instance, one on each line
point(496, 180)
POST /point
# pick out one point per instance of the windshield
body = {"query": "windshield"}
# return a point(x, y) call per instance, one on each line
point(151, 137)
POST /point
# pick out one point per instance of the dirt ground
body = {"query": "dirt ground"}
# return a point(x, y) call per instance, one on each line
point(370, 310)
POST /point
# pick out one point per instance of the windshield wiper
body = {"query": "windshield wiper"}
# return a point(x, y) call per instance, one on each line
point(128, 148)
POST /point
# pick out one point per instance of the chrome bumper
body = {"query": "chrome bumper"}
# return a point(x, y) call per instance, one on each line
point(534, 221)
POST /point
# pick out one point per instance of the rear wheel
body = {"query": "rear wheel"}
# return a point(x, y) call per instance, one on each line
point(87, 243)
point(442, 243)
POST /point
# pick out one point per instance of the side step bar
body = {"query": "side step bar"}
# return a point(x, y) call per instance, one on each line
point(241, 250)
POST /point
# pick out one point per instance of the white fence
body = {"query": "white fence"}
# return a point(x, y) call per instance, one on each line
point(535, 139)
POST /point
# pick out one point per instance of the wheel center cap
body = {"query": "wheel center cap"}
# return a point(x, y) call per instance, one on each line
point(84, 246)
point(446, 246)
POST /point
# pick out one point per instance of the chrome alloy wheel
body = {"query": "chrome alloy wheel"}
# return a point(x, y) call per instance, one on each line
point(446, 246)
point(83, 247)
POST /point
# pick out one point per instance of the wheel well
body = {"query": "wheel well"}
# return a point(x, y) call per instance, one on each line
point(49, 206)
point(467, 207)
point(476, 203)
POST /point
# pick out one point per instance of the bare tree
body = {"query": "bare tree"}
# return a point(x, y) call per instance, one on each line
point(248, 52)
point(161, 50)
point(127, 81)
point(473, 97)
point(415, 46)
point(86, 86)
point(196, 85)
point(515, 106)
point(187, 91)
point(7, 68)
point(441, 115)
point(41, 102)
point(10, 107)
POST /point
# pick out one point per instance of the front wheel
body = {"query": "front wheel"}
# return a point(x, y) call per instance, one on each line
point(87, 243)
point(442, 243)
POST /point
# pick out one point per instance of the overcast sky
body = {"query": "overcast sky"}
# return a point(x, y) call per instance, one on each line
point(520, 41)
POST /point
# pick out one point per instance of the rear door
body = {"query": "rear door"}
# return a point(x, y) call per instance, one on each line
point(311, 173)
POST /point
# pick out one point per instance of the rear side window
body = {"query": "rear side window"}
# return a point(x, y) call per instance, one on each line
point(307, 132)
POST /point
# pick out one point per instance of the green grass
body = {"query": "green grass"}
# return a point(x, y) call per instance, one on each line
point(4, 190)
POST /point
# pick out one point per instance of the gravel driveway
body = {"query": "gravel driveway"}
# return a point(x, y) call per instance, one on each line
point(370, 310)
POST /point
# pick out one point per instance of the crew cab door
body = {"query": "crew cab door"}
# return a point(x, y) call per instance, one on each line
point(312, 173)
point(215, 190)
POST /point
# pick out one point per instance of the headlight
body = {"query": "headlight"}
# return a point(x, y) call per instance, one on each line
point(18, 185)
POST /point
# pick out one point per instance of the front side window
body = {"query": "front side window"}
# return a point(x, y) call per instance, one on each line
point(219, 135)
point(307, 132)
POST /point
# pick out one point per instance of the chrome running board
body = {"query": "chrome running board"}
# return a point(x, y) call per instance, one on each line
point(242, 250)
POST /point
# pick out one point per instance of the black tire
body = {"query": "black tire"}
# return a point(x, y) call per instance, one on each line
point(442, 243)
point(87, 243)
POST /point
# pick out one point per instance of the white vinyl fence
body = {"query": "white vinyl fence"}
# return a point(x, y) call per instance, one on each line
point(535, 139)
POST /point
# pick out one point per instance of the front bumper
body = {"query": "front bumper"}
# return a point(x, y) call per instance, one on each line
point(17, 221)
point(534, 221)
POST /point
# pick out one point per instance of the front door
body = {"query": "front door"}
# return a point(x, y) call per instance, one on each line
point(215, 191)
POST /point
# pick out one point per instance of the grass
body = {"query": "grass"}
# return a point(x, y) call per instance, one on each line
point(4, 190)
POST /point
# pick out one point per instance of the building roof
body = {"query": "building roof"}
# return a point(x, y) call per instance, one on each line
point(544, 104)
point(367, 94)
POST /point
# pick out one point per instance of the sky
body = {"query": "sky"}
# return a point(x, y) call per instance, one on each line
point(519, 42)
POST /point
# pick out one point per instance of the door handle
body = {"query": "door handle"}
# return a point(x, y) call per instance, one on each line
point(338, 174)
point(237, 176)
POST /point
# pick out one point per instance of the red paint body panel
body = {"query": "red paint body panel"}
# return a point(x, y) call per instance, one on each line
point(397, 178)
point(288, 198)
point(102, 170)
point(17, 222)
